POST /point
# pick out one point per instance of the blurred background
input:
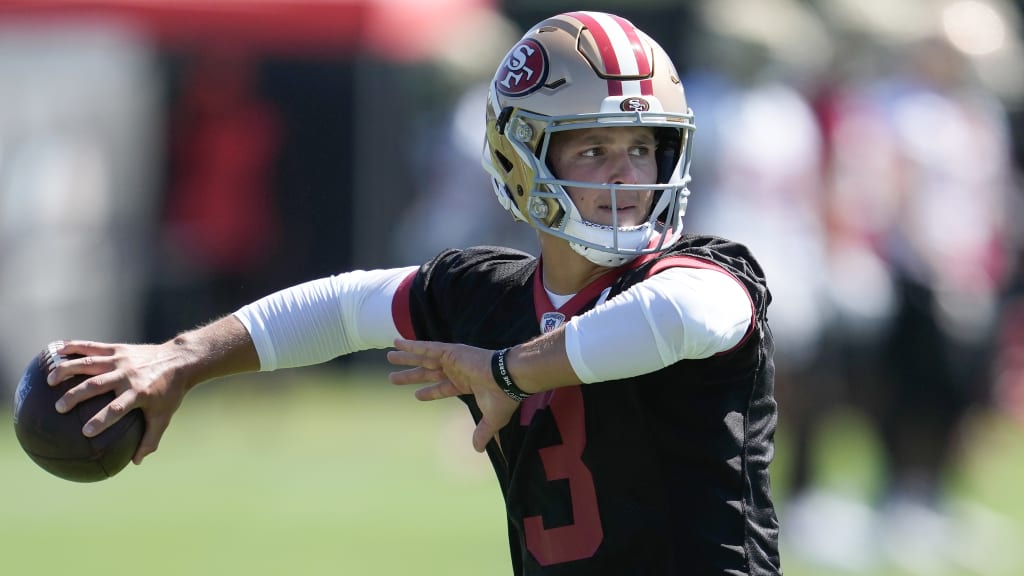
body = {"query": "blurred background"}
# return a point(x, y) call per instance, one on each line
point(165, 162)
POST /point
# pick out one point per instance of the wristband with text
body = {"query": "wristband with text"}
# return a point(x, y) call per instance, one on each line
point(499, 369)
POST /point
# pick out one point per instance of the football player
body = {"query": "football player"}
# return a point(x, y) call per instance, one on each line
point(621, 381)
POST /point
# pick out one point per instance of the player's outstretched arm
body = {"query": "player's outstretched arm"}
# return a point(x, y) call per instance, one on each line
point(152, 377)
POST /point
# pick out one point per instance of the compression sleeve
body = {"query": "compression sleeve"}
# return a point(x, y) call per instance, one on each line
point(679, 313)
point(322, 319)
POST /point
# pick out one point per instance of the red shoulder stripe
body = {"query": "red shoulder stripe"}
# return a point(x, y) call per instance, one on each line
point(400, 310)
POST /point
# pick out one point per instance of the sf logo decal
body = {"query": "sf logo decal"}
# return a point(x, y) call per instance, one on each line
point(635, 104)
point(525, 69)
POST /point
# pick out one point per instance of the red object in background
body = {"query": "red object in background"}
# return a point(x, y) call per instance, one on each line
point(403, 30)
point(225, 141)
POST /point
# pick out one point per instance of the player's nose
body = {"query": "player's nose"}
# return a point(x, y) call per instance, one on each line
point(623, 169)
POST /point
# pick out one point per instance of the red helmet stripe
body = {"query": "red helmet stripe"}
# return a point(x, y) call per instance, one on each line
point(643, 63)
point(622, 50)
point(604, 44)
point(643, 60)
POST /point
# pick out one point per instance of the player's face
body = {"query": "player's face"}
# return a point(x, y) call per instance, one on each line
point(615, 155)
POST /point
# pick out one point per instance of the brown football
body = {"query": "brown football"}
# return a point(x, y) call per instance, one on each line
point(55, 441)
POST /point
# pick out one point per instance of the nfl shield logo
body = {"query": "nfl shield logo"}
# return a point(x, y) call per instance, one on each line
point(551, 320)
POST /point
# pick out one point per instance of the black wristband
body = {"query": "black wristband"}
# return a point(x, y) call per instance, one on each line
point(499, 369)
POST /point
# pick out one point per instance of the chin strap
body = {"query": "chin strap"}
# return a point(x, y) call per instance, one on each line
point(601, 258)
point(632, 239)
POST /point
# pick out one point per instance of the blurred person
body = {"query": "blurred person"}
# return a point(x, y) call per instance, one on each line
point(621, 381)
point(765, 190)
point(79, 109)
point(830, 525)
point(1009, 363)
point(919, 179)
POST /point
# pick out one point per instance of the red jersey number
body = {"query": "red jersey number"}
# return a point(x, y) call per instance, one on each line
point(564, 462)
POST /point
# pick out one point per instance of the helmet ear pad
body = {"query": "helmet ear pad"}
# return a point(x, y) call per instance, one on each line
point(670, 146)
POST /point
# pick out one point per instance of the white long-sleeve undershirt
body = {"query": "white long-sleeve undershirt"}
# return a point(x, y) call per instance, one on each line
point(322, 319)
point(676, 314)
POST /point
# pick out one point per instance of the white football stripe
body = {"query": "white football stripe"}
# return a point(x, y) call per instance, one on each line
point(631, 88)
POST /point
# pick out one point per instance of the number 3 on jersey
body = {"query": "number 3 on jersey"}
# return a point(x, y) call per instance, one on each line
point(564, 462)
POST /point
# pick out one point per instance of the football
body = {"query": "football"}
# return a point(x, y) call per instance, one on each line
point(55, 441)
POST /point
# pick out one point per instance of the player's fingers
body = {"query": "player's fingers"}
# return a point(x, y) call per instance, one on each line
point(400, 358)
point(86, 389)
point(112, 412)
point(432, 350)
point(84, 347)
point(87, 365)
point(155, 429)
point(416, 376)
point(443, 389)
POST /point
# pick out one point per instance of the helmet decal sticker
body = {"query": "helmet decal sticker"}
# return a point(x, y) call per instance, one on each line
point(635, 104)
point(524, 70)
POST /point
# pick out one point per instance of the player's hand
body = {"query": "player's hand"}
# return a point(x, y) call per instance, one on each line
point(455, 369)
point(140, 376)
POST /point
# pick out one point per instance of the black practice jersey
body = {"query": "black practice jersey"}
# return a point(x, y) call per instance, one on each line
point(663, 473)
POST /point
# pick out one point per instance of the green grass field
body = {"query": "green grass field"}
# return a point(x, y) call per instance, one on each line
point(330, 472)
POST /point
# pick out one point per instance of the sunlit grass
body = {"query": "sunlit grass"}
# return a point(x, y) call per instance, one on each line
point(297, 473)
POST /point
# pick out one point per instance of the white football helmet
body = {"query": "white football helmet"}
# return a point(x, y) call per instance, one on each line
point(587, 70)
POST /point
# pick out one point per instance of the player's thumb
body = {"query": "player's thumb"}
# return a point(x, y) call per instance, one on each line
point(482, 434)
point(151, 439)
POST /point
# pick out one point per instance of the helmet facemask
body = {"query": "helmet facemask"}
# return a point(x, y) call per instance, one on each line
point(547, 205)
